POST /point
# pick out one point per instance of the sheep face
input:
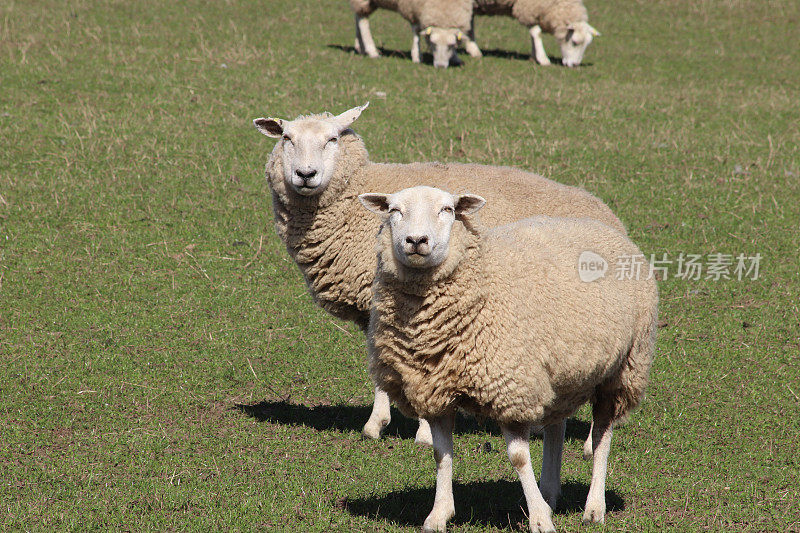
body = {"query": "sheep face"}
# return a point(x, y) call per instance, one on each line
point(573, 41)
point(420, 220)
point(442, 43)
point(310, 147)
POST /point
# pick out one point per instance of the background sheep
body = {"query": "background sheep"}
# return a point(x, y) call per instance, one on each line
point(443, 24)
point(500, 324)
point(567, 20)
point(316, 172)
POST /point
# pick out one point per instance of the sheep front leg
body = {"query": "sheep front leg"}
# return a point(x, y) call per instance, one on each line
point(538, 46)
point(380, 417)
point(443, 504)
point(551, 462)
point(415, 51)
point(601, 446)
point(364, 42)
point(519, 453)
point(469, 41)
point(424, 436)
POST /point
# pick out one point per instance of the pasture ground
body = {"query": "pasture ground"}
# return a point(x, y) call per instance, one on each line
point(163, 367)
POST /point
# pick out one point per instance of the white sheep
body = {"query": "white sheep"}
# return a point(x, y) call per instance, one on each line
point(566, 20)
point(499, 323)
point(316, 171)
point(442, 23)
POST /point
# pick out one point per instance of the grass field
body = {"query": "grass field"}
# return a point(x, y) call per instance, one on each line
point(163, 367)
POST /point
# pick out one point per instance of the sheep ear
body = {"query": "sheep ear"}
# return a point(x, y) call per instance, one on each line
point(466, 204)
point(348, 117)
point(593, 31)
point(271, 127)
point(375, 202)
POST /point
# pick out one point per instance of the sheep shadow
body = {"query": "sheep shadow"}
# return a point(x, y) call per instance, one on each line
point(385, 52)
point(492, 52)
point(426, 59)
point(499, 504)
point(346, 418)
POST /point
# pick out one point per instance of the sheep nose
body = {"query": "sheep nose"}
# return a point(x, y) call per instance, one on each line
point(305, 175)
point(416, 240)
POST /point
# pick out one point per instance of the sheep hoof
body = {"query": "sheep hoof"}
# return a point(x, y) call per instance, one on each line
point(594, 514)
point(473, 50)
point(437, 520)
point(373, 430)
point(543, 525)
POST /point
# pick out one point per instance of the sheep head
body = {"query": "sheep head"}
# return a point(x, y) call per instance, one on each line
point(442, 43)
point(310, 147)
point(420, 220)
point(574, 39)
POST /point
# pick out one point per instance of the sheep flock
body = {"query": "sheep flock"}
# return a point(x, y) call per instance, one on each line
point(467, 288)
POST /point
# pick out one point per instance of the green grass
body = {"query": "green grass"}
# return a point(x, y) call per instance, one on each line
point(163, 367)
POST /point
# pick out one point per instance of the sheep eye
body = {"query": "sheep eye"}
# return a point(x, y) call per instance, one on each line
point(333, 139)
point(447, 209)
point(287, 138)
point(393, 210)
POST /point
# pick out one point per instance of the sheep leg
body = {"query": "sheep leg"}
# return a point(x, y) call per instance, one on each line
point(538, 46)
point(380, 417)
point(415, 51)
point(519, 453)
point(443, 504)
point(364, 42)
point(601, 446)
point(587, 446)
point(551, 462)
point(424, 435)
point(469, 41)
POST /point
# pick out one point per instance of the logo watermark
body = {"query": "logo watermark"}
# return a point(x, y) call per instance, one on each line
point(714, 267)
point(591, 266)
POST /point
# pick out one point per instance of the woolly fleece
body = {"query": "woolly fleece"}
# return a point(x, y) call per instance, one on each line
point(505, 328)
point(423, 13)
point(331, 237)
point(552, 16)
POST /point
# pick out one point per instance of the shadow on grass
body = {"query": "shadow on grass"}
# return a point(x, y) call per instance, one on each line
point(428, 59)
point(352, 418)
point(485, 503)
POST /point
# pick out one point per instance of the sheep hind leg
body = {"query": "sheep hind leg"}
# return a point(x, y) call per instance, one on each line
point(380, 416)
point(550, 484)
point(519, 453)
point(364, 43)
point(602, 425)
point(538, 46)
point(443, 503)
point(587, 445)
point(424, 435)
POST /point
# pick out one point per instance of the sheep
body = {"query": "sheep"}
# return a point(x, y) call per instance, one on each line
point(499, 323)
point(442, 23)
point(566, 20)
point(318, 168)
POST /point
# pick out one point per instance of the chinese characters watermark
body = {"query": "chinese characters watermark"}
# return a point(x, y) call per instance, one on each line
point(714, 267)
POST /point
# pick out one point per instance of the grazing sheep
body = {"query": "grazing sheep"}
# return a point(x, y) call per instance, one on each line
point(442, 23)
point(566, 20)
point(319, 167)
point(500, 324)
